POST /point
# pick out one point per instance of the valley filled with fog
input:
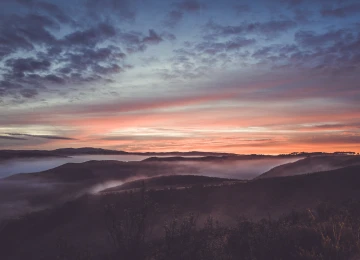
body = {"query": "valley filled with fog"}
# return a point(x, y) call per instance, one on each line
point(29, 165)
point(242, 169)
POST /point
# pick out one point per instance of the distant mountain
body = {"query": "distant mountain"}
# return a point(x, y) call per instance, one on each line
point(218, 158)
point(13, 154)
point(311, 165)
point(64, 152)
point(190, 153)
point(86, 150)
point(190, 158)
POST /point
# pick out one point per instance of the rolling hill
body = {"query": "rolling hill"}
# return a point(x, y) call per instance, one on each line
point(82, 222)
point(312, 164)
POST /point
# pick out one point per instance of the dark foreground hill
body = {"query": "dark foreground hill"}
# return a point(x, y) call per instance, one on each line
point(312, 164)
point(117, 225)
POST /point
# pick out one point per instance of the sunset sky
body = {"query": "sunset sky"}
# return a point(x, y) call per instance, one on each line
point(261, 76)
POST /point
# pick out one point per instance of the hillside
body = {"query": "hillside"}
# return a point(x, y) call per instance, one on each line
point(97, 171)
point(82, 222)
point(166, 182)
point(312, 164)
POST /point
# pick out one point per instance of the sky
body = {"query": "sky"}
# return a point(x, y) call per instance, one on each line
point(260, 76)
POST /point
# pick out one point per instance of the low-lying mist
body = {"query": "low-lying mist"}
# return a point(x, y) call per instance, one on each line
point(29, 165)
point(21, 196)
point(237, 169)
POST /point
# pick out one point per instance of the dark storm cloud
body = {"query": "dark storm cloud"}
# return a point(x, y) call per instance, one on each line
point(54, 137)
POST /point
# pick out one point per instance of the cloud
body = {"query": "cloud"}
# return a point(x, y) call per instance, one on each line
point(242, 8)
point(168, 36)
point(173, 18)
point(87, 59)
point(137, 42)
point(29, 93)
point(27, 76)
point(91, 36)
point(292, 3)
point(124, 8)
point(312, 39)
point(341, 11)
point(152, 38)
point(21, 65)
point(11, 138)
point(79, 55)
point(329, 139)
point(335, 126)
point(190, 5)
point(25, 32)
point(331, 52)
point(27, 3)
point(54, 137)
point(303, 15)
point(54, 11)
point(269, 28)
point(279, 71)
point(201, 59)
point(231, 45)
point(141, 137)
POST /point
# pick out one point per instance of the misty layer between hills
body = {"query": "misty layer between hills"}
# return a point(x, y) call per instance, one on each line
point(24, 193)
point(83, 220)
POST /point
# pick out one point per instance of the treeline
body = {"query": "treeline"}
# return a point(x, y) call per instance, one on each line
point(328, 232)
